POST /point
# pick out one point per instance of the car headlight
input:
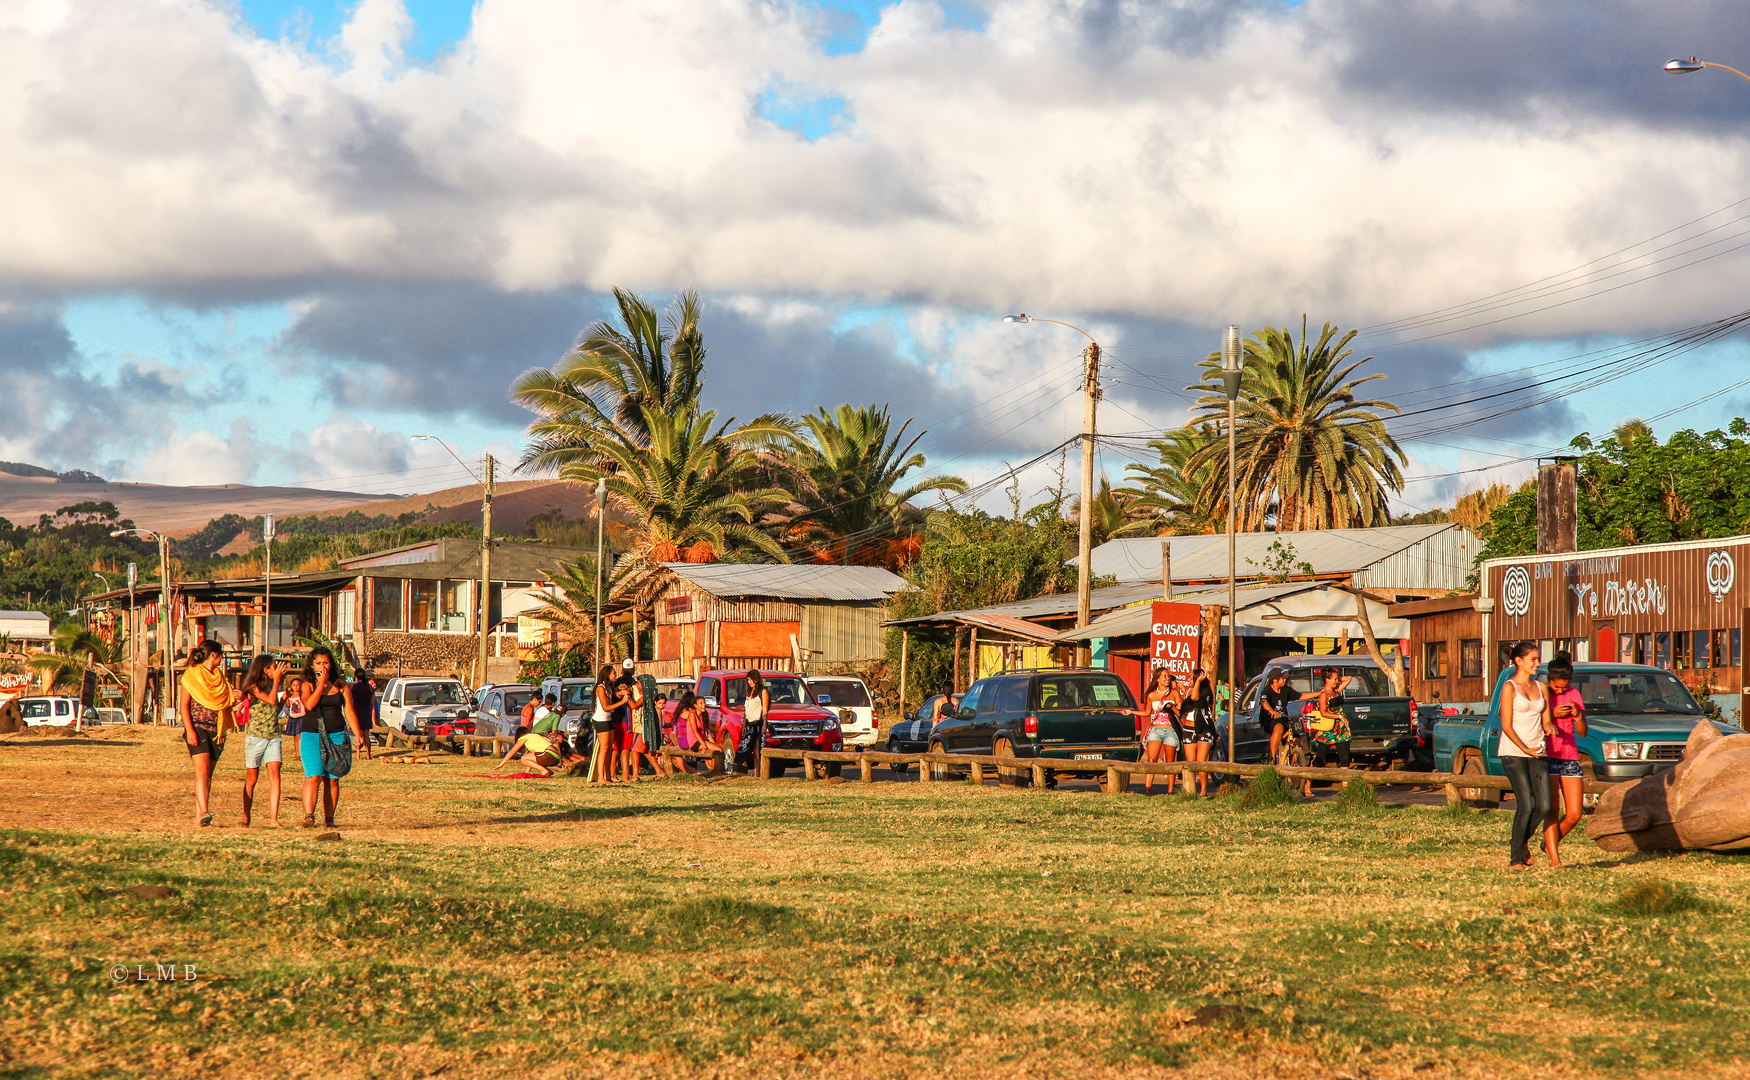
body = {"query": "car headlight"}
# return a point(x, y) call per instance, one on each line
point(1622, 751)
point(832, 723)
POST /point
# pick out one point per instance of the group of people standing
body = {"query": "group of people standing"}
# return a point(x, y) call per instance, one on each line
point(316, 705)
point(1180, 712)
point(1541, 724)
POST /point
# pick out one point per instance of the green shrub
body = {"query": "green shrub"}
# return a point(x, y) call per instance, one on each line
point(1267, 789)
point(1653, 895)
point(1457, 809)
point(1357, 797)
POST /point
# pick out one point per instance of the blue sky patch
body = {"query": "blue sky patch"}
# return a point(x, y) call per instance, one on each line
point(807, 115)
point(437, 24)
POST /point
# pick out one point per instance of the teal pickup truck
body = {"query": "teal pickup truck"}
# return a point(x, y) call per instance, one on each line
point(1637, 717)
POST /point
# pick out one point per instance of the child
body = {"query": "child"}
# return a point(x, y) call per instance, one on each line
point(1562, 755)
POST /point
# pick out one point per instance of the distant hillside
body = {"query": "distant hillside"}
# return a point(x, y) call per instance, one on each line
point(166, 508)
point(74, 476)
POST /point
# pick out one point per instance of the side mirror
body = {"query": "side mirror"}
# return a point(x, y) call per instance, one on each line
point(965, 714)
point(711, 703)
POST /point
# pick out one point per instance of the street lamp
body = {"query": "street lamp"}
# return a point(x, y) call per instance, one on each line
point(164, 635)
point(601, 501)
point(1233, 355)
point(1085, 537)
point(1692, 65)
point(486, 483)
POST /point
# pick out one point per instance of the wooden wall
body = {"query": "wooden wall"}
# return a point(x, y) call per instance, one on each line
point(1453, 628)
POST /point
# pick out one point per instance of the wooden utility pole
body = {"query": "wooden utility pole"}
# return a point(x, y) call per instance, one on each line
point(1085, 534)
point(486, 485)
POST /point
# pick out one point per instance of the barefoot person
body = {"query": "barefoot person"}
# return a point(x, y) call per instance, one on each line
point(328, 716)
point(1561, 748)
point(261, 736)
point(1164, 736)
point(1525, 725)
point(206, 718)
point(540, 754)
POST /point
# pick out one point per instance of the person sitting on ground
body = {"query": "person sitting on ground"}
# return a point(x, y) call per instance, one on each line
point(540, 755)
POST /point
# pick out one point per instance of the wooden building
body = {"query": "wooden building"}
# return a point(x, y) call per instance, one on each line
point(698, 616)
point(1446, 659)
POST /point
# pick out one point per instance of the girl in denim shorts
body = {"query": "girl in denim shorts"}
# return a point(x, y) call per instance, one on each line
point(1561, 752)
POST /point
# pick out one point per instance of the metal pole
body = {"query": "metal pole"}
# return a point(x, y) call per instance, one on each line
point(267, 586)
point(485, 563)
point(601, 496)
point(1232, 354)
point(134, 680)
point(1085, 537)
point(164, 622)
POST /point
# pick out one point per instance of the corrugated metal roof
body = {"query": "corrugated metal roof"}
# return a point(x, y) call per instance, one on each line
point(1008, 625)
point(1329, 551)
point(790, 582)
point(1053, 605)
point(1136, 620)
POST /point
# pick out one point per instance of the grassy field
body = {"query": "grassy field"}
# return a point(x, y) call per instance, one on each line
point(474, 928)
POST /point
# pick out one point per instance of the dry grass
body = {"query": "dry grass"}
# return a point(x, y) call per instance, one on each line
point(735, 928)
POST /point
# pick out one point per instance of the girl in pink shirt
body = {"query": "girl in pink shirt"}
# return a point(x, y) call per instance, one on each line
point(1561, 750)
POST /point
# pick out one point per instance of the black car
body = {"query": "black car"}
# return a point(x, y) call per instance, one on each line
point(912, 734)
point(1049, 713)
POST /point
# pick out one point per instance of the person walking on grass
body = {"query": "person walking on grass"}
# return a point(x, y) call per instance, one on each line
point(328, 716)
point(540, 754)
point(1163, 737)
point(1561, 747)
point(609, 696)
point(261, 735)
point(1525, 726)
point(1197, 713)
point(207, 699)
point(1327, 723)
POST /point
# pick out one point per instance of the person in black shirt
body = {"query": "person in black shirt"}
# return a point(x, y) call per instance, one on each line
point(363, 693)
point(1274, 706)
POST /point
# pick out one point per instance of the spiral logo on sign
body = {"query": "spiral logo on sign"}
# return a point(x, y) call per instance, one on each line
point(1721, 573)
point(1516, 592)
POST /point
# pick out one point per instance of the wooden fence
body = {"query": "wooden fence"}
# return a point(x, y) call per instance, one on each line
point(1115, 776)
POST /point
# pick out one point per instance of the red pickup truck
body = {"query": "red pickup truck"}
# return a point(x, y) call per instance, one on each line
point(794, 723)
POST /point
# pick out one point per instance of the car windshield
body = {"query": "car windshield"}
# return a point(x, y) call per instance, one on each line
point(435, 693)
point(785, 690)
point(842, 692)
point(1626, 692)
point(514, 700)
point(1368, 681)
point(36, 709)
point(579, 695)
point(1082, 691)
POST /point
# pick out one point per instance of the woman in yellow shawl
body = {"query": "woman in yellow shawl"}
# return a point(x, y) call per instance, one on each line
point(206, 717)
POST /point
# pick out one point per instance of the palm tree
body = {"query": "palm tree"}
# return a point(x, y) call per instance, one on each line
point(1304, 442)
point(609, 380)
point(1631, 431)
point(1169, 499)
point(851, 507)
point(76, 650)
point(571, 614)
point(686, 486)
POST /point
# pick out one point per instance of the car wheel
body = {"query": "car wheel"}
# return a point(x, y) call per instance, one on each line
point(893, 748)
point(833, 768)
point(938, 771)
point(1016, 775)
point(1477, 796)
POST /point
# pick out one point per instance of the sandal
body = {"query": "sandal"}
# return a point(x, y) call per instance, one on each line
point(206, 819)
point(328, 823)
point(309, 821)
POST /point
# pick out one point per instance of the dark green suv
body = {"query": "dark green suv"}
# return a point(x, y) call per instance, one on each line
point(1050, 713)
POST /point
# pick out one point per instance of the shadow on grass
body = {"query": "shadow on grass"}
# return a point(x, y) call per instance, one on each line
point(590, 813)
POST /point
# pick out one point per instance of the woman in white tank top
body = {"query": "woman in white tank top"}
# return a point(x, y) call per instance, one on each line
point(1524, 723)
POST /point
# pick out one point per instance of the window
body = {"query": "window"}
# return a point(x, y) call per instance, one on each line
point(1015, 697)
point(345, 613)
point(1434, 660)
point(708, 689)
point(1546, 649)
point(1633, 693)
point(453, 605)
point(1662, 649)
point(386, 604)
point(972, 697)
point(422, 605)
point(1680, 654)
point(1470, 658)
point(1625, 647)
point(839, 692)
point(1732, 654)
point(1704, 649)
point(1083, 691)
point(282, 627)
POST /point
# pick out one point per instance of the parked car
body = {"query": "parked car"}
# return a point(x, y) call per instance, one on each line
point(1050, 713)
point(1427, 716)
point(55, 711)
point(795, 722)
point(107, 715)
point(420, 706)
point(500, 708)
point(849, 697)
point(912, 734)
point(1382, 728)
point(1638, 720)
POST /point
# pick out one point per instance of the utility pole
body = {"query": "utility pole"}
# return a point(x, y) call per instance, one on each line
point(1085, 539)
point(486, 485)
point(135, 682)
point(1232, 359)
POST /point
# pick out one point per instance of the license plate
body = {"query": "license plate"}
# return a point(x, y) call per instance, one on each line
point(1089, 757)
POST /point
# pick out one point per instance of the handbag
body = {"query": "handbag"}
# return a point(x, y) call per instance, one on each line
point(336, 757)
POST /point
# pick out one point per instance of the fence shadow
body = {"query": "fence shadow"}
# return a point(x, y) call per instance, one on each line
point(578, 814)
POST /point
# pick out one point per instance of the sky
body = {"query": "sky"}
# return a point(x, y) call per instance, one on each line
point(270, 241)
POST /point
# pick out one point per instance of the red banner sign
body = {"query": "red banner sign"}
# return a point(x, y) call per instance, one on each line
point(1175, 637)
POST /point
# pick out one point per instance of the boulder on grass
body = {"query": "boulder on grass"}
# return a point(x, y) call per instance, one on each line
point(1703, 803)
point(11, 718)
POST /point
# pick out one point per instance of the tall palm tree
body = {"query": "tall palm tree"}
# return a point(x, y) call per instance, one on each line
point(612, 376)
point(1304, 442)
point(851, 506)
point(1169, 499)
point(76, 650)
point(1631, 431)
point(572, 613)
point(685, 484)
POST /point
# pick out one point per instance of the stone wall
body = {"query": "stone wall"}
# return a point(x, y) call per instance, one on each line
point(419, 654)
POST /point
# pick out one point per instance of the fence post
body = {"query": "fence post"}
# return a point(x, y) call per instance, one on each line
point(923, 771)
point(1039, 777)
point(867, 767)
point(1117, 783)
point(1452, 794)
point(765, 766)
point(978, 773)
point(807, 767)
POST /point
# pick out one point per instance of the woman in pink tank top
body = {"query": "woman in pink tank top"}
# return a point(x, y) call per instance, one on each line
point(1561, 751)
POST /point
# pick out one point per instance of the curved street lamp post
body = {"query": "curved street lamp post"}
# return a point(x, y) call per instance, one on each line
point(164, 635)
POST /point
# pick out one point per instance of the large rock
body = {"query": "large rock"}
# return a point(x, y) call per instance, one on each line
point(1702, 803)
point(11, 717)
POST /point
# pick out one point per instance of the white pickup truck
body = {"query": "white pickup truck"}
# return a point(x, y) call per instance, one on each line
point(412, 704)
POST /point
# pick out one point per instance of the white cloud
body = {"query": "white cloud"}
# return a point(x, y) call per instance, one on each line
point(203, 459)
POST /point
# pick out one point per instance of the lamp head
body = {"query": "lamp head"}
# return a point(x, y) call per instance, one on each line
point(1684, 67)
point(601, 491)
point(420, 438)
point(1233, 352)
point(1016, 318)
